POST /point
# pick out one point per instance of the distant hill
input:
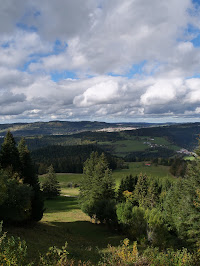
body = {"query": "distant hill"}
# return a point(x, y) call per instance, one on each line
point(64, 127)
point(42, 134)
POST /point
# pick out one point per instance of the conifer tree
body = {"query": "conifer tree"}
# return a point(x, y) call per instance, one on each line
point(97, 189)
point(27, 169)
point(127, 184)
point(51, 187)
point(9, 155)
point(141, 189)
point(29, 177)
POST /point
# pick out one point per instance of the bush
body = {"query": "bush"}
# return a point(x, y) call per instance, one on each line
point(59, 257)
point(122, 255)
point(50, 186)
point(170, 257)
point(132, 220)
point(13, 251)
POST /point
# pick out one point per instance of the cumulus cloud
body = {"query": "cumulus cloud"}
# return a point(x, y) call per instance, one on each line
point(100, 93)
point(131, 59)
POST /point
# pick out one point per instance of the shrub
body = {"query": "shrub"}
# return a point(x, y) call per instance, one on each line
point(169, 257)
point(13, 250)
point(122, 255)
point(59, 257)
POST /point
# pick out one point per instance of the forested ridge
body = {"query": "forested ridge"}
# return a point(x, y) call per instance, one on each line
point(69, 159)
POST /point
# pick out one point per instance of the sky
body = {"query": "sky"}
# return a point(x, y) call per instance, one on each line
point(100, 60)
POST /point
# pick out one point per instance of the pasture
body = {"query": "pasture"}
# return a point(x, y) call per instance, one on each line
point(135, 168)
point(133, 144)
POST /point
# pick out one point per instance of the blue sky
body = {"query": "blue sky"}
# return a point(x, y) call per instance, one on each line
point(131, 60)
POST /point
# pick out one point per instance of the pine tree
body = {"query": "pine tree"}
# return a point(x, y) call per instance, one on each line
point(141, 189)
point(51, 187)
point(29, 177)
point(97, 195)
point(9, 155)
point(127, 184)
point(27, 169)
point(181, 206)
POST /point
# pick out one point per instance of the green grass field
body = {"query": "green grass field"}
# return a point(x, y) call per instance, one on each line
point(64, 221)
point(189, 158)
point(123, 147)
point(135, 168)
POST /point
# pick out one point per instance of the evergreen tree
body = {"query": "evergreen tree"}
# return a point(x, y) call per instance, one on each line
point(51, 187)
point(17, 163)
point(127, 184)
point(181, 206)
point(27, 169)
point(141, 190)
point(29, 177)
point(97, 189)
point(9, 155)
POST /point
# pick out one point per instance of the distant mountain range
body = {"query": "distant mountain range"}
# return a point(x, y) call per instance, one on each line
point(65, 127)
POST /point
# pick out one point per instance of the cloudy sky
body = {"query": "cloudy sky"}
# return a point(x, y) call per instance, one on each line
point(105, 60)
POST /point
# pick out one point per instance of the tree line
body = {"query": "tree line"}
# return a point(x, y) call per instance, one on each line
point(20, 195)
point(69, 159)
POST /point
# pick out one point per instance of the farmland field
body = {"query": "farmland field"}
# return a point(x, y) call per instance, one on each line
point(123, 147)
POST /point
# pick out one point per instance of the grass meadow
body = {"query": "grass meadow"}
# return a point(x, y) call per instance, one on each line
point(64, 221)
point(123, 147)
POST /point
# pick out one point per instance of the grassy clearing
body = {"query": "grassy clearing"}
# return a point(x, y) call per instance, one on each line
point(189, 158)
point(64, 221)
point(65, 179)
point(137, 168)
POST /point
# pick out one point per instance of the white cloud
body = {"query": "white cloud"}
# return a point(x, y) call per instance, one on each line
point(98, 38)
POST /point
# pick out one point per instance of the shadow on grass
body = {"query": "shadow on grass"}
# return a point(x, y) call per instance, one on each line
point(61, 203)
point(84, 239)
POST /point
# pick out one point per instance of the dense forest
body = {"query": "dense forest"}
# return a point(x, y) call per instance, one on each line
point(69, 159)
point(21, 199)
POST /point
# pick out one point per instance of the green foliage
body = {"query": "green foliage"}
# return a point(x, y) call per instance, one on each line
point(37, 204)
point(141, 189)
point(50, 186)
point(182, 205)
point(122, 255)
point(127, 184)
point(97, 187)
point(55, 256)
point(157, 231)
point(29, 177)
point(69, 159)
point(9, 155)
point(178, 167)
point(27, 169)
point(13, 251)
point(3, 187)
point(132, 219)
point(169, 257)
point(20, 196)
point(17, 205)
